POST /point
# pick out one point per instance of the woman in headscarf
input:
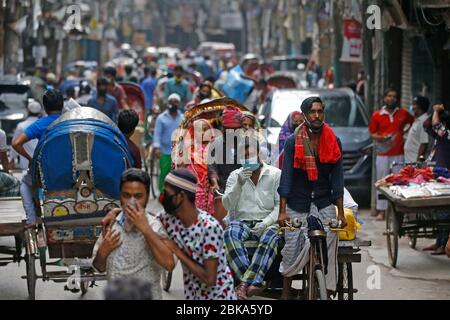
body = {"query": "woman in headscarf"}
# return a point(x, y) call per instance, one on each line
point(196, 141)
point(292, 122)
point(249, 121)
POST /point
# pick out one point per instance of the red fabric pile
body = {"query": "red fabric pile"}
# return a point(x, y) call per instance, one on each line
point(410, 174)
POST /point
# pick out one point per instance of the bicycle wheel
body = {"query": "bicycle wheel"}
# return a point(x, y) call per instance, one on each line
point(84, 286)
point(320, 284)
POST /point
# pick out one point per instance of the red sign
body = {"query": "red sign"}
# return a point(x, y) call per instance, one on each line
point(352, 44)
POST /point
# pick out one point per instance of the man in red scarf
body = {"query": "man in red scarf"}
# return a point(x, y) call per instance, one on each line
point(312, 183)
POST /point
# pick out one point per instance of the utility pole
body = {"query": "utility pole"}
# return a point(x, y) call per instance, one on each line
point(369, 98)
point(296, 26)
point(2, 38)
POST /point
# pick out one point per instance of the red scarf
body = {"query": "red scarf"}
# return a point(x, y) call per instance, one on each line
point(328, 148)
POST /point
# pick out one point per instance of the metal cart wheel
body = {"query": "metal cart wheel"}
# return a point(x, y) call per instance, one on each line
point(392, 234)
point(31, 276)
point(166, 280)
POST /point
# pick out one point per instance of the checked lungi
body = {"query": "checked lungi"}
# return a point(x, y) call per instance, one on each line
point(295, 253)
point(238, 256)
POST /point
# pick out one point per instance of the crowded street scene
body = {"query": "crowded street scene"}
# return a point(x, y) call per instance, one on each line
point(243, 150)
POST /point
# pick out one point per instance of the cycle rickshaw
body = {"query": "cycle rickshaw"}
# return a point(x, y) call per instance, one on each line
point(76, 172)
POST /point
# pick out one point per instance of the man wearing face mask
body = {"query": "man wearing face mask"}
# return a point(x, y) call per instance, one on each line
point(179, 86)
point(104, 102)
point(417, 141)
point(251, 196)
point(166, 124)
point(386, 128)
point(311, 184)
point(204, 92)
point(195, 239)
point(131, 246)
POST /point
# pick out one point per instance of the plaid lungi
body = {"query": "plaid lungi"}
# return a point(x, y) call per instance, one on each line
point(238, 256)
point(9, 186)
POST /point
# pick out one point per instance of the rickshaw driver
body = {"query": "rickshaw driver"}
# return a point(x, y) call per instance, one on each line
point(53, 102)
point(311, 184)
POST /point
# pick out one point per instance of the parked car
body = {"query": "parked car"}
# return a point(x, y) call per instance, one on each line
point(13, 105)
point(345, 113)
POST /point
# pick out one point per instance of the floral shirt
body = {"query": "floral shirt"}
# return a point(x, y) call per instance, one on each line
point(201, 241)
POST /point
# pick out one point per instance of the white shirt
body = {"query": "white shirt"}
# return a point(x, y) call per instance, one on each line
point(3, 144)
point(133, 258)
point(250, 202)
point(416, 136)
point(349, 203)
point(29, 146)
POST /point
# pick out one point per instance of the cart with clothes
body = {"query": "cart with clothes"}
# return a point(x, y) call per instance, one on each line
point(418, 204)
point(76, 172)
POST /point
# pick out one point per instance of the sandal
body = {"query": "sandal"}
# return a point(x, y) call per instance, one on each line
point(253, 290)
point(241, 291)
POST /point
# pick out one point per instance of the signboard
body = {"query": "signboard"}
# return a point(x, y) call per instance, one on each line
point(352, 44)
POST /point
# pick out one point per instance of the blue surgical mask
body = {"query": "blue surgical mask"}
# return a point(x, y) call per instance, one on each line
point(251, 163)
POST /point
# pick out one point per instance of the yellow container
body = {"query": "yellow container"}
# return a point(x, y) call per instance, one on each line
point(349, 232)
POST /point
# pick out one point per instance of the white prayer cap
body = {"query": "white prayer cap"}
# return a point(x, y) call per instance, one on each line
point(34, 107)
point(174, 96)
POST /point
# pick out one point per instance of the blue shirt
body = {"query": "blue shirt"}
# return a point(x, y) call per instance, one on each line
point(164, 128)
point(109, 107)
point(37, 128)
point(300, 192)
point(148, 86)
point(182, 89)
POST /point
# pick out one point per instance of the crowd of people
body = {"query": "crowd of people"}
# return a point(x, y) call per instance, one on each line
point(227, 193)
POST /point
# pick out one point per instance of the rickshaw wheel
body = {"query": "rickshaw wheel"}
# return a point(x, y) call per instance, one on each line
point(154, 174)
point(84, 286)
point(348, 281)
point(31, 276)
point(412, 241)
point(392, 235)
point(166, 280)
point(43, 262)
